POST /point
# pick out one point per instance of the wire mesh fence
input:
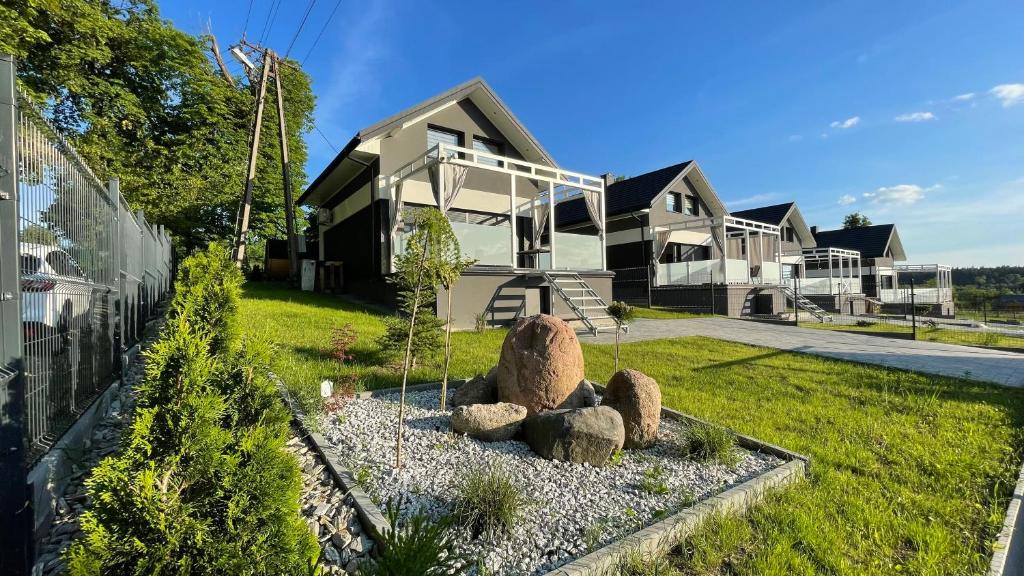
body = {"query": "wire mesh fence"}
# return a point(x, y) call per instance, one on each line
point(90, 273)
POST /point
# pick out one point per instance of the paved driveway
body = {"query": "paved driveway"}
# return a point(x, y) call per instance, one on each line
point(980, 364)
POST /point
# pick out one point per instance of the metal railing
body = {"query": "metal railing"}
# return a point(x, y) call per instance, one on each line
point(89, 274)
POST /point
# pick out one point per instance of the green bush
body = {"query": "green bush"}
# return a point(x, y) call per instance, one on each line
point(203, 484)
point(707, 443)
point(489, 503)
point(418, 547)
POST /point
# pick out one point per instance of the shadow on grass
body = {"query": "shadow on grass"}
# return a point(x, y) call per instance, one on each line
point(280, 292)
point(743, 361)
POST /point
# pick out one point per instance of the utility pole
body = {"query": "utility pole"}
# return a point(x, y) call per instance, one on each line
point(242, 224)
point(271, 64)
point(289, 208)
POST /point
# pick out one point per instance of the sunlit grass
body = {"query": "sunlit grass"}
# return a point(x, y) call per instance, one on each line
point(928, 333)
point(909, 472)
point(657, 313)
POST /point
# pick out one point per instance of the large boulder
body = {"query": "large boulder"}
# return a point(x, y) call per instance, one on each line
point(637, 398)
point(478, 390)
point(582, 435)
point(541, 363)
point(489, 422)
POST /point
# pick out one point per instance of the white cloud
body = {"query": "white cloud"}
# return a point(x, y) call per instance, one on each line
point(1009, 94)
point(848, 123)
point(898, 195)
point(755, 199)
point(964, 97)
point(915, 117)
point(847, 199)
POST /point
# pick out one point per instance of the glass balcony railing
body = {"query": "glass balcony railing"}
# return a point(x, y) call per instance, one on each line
point(488, 245)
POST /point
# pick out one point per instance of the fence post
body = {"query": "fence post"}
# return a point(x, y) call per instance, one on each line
point(913, 312)
point(712, 285)
point(796, 305)
point(15, 505)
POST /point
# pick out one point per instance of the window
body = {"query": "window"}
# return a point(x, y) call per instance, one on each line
point(691, 205)
point(788, 234)
point(674, 202)
point(489, 146)
point(437, 136)
point(30, 264)
point(62, 264)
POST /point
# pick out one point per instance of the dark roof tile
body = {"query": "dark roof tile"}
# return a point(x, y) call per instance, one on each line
point(767, 214)
point(870, 241)
point(624, 196)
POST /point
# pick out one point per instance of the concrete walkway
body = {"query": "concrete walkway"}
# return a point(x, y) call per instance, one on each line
point(1006, 368)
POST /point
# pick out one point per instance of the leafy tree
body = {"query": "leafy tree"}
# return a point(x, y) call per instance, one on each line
point(856, 220)
point(450, 265)
point(142, 101)
point(417, 275)
point(36, 234)
point(621, 313)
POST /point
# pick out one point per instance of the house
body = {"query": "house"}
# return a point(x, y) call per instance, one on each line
point(670, 237)
point(878, 248)
point(465, 152)
point(796, 234)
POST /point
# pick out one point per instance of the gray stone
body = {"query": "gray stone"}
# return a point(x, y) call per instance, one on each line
point(331, 555)
point(478, 390)
point(353, 566)
point(489, 422)
point(583, 397)
point(341, 539)
point(581, 435)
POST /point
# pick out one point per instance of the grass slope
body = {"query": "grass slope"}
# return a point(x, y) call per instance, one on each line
point(909, 472)
point(929, 333)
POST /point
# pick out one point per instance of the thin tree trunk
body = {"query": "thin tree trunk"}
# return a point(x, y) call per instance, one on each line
point(617, 328)
point(408, 354)
point(447, 349)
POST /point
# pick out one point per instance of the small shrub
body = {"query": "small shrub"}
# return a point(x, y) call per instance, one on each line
point(342, 340)
point(865, 323)
point(616, 458)
point(489, 504)
point(707, 443)
point(653, 481)
point(480, 321)
point(427, 337)
point(417, 546)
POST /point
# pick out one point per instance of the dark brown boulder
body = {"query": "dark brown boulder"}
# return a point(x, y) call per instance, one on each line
point(541, 363)
point(637, 398)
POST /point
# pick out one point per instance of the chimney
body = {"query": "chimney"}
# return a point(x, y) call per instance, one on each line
point(609, 178)
point(814, 230)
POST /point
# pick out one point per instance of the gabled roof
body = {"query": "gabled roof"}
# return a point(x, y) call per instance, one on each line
point(638, 193)
point(870, 241)
point(477, 90)
point(776, 214)
point(773, 214)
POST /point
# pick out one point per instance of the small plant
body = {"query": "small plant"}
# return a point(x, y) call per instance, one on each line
point(342, 340)
point(363, 476)
point(621, 313)
point(344, 389)
point(653, 481)
point(638, 563)
point(616, 458)
point(865, 323)
point(480, 322)
point(489, 503)
point(707, 443)
point(418, 545)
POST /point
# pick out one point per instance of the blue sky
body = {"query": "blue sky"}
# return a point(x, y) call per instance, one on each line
point(909, 112)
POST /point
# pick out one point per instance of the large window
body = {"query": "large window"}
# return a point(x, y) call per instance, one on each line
point(489, 146)
point(691, 205)
point(674, 202)
point(437, 136)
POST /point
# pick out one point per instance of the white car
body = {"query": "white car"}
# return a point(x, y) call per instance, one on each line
point(55, 294)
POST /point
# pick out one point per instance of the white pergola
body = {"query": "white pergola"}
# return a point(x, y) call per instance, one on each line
point(561, 185)
point(722, 229)
point(943, 291)
point(840, 266)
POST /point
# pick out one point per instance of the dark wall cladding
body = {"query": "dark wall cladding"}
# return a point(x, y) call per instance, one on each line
point(90, 275)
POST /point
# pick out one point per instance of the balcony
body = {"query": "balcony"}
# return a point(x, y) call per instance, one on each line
point(748, 252)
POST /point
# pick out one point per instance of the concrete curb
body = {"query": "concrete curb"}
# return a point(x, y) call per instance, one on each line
point(1008, 556)
point(658, 537)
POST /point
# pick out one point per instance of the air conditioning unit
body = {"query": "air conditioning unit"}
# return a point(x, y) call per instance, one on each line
point(325, 216)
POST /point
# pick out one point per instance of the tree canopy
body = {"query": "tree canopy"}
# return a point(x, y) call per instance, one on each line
point(856, 220)
point(142, 101)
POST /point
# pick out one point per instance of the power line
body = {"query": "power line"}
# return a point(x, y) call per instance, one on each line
point(269, 23)
point(324, 28)
point(248, 12)
point(324, 136)
point(301, 24)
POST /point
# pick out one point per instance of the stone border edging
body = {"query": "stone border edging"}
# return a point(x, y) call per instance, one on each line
point(1008, 556)
point(658, 537)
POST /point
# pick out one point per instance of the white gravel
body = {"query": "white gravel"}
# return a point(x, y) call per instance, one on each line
point(573, 508)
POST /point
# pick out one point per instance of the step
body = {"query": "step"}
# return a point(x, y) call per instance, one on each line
point(592, 307)
point(584, 298)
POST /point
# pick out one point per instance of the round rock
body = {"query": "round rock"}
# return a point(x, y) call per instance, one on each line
point(541, 364)
point(478, 390)
point(582, 435)
point(489, 422)
point(637, 398)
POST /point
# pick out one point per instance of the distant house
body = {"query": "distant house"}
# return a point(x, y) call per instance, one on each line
point(466, 153)
point(796, 234)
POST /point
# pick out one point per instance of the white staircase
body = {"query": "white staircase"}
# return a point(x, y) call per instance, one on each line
point(583, 300)
point(806, 305)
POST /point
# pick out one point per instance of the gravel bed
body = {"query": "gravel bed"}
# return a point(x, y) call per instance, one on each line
point(573, 508)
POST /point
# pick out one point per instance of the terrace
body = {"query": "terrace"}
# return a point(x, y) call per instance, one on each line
point(744, 252)
point(835, 271)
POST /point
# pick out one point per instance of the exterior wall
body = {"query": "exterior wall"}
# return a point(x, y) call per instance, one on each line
point(505, 296)
point(832, 303)
point(734, 300)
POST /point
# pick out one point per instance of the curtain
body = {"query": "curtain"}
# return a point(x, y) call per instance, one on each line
point(659, 241)
point(593, 202)
point(446, 180)
point(396, 209)
point(539, 220)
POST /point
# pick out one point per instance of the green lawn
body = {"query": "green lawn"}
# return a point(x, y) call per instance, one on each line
point(664, 313)
point(910, 473)
point(931, 334)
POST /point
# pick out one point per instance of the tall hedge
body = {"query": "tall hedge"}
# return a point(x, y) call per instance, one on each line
point(203, 484)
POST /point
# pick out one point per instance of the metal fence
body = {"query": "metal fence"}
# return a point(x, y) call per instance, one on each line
point(90, 273)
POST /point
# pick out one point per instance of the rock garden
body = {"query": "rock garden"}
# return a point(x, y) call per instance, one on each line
point(532, 465)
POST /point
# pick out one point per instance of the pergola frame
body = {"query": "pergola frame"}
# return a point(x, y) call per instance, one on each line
point(833, 254)
point(943, 278)
point(562, 185)
point(731, 227)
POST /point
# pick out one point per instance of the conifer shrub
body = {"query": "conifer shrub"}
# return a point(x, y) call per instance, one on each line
point(203, 483)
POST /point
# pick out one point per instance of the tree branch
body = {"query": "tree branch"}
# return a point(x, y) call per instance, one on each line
point(215, 48)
